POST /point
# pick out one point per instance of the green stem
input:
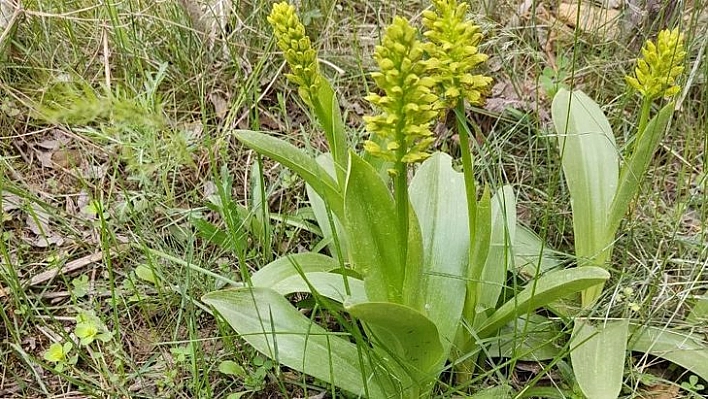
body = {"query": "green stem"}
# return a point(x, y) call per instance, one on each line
point(467, 169)
point(401, 195)
point(643, 118)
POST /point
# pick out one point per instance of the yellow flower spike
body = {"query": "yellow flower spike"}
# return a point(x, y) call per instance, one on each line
point(408, 104)
point(453, 52)
point(297, 50)
point(661, 64)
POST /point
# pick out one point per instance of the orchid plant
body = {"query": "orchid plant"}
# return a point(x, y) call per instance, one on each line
point(418, 264)
point(602, 186)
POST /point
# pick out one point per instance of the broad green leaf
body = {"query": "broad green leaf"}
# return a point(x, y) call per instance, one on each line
point(532, 256)
point(548, 288)
point(635, 168)
point(319, 208)
point(405, 332)
point(272, 326)
point(686, 350)
point(591, 167)
point(443, 224)
point(370, 219)
point(292, 265)
point(597, 355)
point(299, 162)
point(528, 338)
point(500, 256)
point(330, 285)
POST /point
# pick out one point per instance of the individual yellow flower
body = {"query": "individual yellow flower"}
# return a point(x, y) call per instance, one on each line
point(660, 66)
point(453, 52)
point(297, 50)
point(408, 104)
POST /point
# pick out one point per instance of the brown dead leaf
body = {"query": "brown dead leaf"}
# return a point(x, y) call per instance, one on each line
point(210, 17)
point(592, 19)
point(10, 202)
point(37, 221)
point(67, 268)
point(662, 391)
point(221, 106)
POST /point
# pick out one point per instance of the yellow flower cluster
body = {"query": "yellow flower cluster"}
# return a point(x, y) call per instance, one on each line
point(297, 50)
point(453, 52)
point(408, 104)
point(660, 65)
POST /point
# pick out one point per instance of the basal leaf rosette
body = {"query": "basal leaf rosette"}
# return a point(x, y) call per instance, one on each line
point(660, 65)
point(297, 50)
point(453, 52)
point(408, 104)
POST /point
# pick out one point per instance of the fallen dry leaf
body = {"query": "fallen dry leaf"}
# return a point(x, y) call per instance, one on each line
point(10, 201)
point(221, 106)
point(591, 19)
point(37, 221)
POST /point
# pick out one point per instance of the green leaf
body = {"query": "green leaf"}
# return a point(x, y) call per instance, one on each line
point(146, 273)
point(326, 108)
point(699, 311)
point(229, 367)
point(548, 288)
point(687, 350)
point(500, 258)
point(330, 285)
point(495, 392)
point(478, 258)
point(299, 162)
point(81, 286)
point(55, 353)
point(597, 355)
point(591, 167)
point(445, 234)
point(634, 170)
point(323, 218)
point(527, 338)
point(532, 256)
point(272, 326)
point(258, 206)
point(405, 332)
point(291, 265)
point(86, 332)
point(370, 219)
point(211, 233)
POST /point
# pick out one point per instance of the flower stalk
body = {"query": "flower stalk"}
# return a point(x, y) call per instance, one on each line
point(401, 132)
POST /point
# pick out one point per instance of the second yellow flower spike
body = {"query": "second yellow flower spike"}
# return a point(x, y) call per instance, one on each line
point(297, 50)
point(660, 66)
point(453, 52)
point(408, 104)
